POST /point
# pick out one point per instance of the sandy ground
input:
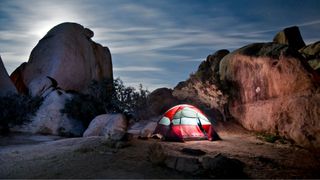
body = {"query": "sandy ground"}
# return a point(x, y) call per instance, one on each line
point(93, 158)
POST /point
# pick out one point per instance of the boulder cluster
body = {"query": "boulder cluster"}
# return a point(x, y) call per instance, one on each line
point(270, 87)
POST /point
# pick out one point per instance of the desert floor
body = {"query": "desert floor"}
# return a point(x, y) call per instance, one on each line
point(33, 156)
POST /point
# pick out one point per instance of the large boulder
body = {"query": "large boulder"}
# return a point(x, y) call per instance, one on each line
point(159, 101)
point(67, 54)
point(6, 85)
point(290, 36)
point(49, 119)
point(112, 126)
point(272, 89)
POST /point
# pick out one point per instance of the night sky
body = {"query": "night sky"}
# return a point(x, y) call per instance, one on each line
point(156, 42)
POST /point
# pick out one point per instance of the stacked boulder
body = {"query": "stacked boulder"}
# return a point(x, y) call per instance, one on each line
point(68, 55)
point(65, 60)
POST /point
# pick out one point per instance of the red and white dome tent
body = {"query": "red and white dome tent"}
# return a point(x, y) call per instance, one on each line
point(185, 122)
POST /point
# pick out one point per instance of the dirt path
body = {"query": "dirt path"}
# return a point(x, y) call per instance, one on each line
point(93, 158)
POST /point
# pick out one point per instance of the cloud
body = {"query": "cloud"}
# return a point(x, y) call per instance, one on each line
point(149, 83)
point(136, 69)
point(141, 11)
point(154, 43)
point(309, 23)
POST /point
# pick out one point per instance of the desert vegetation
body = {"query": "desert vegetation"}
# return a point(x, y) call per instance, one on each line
point(17, 109)
point(101, 99)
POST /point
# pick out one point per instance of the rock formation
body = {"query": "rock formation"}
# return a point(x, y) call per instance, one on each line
point(203, 88)
point(68, 55)
point(266, 87)
point(272, 89)
point(290, 36)
point(6, 85)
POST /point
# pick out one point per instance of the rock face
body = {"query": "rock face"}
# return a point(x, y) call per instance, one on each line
point(273, 90)
point(50, 120)
point(112, 126)
point(68, 55)
point(294, 117)
point(6, 85)
point(263, 71)
point(290, 36)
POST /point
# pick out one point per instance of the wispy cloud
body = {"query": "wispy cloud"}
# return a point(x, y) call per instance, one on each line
point(156, 43)
point(136, 69)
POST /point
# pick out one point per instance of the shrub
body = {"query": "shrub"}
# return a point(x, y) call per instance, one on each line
point(83, 107)
point(101, 98)
point(17, 109)
point(271, 138)
point(127, 100)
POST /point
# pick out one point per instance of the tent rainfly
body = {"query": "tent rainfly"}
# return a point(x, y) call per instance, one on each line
point(185, 122)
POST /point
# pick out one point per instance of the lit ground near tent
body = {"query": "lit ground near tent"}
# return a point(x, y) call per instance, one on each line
point(92, 158)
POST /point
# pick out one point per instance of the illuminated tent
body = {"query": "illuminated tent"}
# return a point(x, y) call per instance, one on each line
point(185, 122)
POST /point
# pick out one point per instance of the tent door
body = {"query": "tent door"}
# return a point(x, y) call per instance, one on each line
point(201, 128)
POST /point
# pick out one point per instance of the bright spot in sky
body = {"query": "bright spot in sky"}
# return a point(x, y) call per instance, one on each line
point(155, 43)
point(43, 28)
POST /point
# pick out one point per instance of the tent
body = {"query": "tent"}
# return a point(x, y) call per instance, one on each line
point(185, 122)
